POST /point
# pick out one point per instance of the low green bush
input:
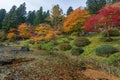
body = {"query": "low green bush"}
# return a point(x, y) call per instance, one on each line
point(81, 42)
point(47, 45)
point(65, 46)
point(77, 51)
point(105, 50)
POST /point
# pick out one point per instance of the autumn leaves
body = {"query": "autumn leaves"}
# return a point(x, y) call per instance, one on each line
point(79, 19)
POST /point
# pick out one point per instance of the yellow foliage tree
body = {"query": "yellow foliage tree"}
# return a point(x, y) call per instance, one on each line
point(42, 29)
point(43, 32)
point(49, 36)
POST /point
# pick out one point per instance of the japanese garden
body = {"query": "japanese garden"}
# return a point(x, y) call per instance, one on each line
point(79, 44)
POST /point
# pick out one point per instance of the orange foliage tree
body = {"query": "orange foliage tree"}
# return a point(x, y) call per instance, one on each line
point(75, 21)
point(24, 30)
point(43, 32)
point(11, 36)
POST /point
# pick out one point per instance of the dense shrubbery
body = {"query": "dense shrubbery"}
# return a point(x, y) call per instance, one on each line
point(77, 51)
point(81, 42)
point(105, 50)
point(112, 32)
point(65, 46)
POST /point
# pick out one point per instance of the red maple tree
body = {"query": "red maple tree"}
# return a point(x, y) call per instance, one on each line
point(108, 17)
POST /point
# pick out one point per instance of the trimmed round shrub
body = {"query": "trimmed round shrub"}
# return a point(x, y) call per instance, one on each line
point(105, 50)
point(77, 51)
point(47, 45)
point(112, 32)
point(65, 46)
point(81, 42)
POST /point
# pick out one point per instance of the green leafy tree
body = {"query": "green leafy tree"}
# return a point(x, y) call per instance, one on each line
point(31, 17)
point(2, 16)
point(21, 14)
point(15, 17)
point(39, 17)
point(46, 16)
point(42, 17)
point(10, 18)
point(94, 6)
point(69, 10)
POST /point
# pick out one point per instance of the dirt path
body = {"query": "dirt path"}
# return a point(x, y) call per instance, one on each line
point(99, 75)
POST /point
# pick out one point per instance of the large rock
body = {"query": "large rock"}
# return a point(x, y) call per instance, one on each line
point(25, 48)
